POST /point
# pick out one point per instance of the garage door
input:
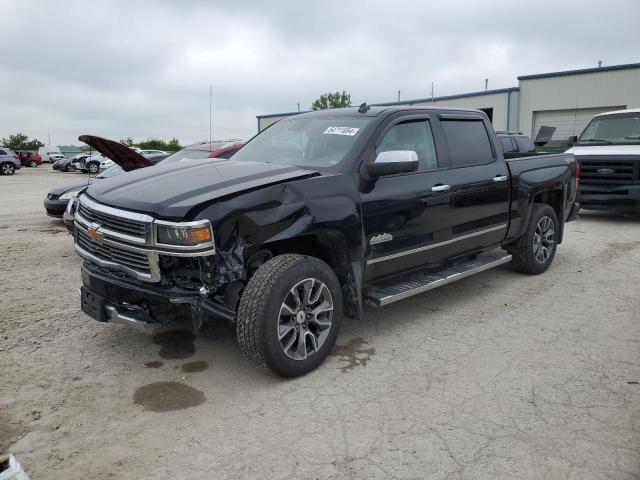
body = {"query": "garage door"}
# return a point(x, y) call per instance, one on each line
point(567, 122)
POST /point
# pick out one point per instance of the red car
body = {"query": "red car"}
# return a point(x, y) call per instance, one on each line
point(29, 159)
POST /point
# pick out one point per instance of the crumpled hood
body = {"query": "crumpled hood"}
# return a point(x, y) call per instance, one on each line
point(172, 190)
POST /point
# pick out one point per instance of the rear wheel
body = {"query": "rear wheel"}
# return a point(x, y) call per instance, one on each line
point(7, 169)
point(93, 167)
point(535, 250)
point(289, 315)
point(33, 164)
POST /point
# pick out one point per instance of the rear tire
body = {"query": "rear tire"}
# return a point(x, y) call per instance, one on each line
point(7, 169)
point(33, 164)
point(289, 315)
point(93, 168)
point(536, 248)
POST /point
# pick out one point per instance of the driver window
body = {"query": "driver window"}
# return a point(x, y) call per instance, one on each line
point(413, 135)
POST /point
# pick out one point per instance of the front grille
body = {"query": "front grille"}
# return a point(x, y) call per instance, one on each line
point(112, 253)
point(609, 171)
point(117, 224)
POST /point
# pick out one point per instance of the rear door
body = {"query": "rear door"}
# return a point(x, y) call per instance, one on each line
point(479, 183)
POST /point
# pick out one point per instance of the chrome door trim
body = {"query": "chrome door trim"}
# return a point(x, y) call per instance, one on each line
point(436, 245)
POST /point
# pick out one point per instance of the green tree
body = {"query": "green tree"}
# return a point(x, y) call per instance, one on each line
point(332, 100)
point(19, 141)
point(127, 141)
point(158, 144)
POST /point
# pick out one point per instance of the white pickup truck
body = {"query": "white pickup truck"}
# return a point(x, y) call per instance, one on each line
point(608, 152)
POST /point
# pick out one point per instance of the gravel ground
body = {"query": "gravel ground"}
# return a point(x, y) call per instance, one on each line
point(500, 375)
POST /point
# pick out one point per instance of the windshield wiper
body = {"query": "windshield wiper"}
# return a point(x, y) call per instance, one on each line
point(596, 140)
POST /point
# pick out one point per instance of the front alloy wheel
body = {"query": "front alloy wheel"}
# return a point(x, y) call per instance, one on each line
point(289, 314)
point(94, 168)
point(305, 319)
point(7, 169)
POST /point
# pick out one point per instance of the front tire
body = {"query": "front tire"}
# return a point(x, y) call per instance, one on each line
point(289, 315)
point(536, 248)
point(93, 167)
point(7, 169)
point(33, 164)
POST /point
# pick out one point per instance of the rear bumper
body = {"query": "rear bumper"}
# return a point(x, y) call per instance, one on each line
point(616, 198)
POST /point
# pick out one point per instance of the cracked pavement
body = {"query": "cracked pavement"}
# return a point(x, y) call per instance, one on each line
point(500, 375)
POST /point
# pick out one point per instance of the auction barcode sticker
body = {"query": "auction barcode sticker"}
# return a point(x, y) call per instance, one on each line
point(350, 131)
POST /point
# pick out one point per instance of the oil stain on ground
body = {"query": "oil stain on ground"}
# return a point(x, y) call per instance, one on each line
point(175, 345)
point(167, 397)
point(192, 367)
point(154, 364)
point(354, 353)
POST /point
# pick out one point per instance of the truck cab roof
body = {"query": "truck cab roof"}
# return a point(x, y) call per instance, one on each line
point(374, 111)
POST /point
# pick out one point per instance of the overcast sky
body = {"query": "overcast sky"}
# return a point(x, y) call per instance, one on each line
point(143, 68)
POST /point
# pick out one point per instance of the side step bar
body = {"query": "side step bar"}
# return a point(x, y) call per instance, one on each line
point(392, 293)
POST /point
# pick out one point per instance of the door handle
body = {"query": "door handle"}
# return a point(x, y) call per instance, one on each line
point(500, 178)
point(440, 188)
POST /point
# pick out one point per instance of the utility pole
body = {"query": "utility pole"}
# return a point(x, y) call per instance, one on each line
point(599, 63)
point(486, 84)
point(210, 116)
point(298, 106)
point(431, 92)
point(398, 96)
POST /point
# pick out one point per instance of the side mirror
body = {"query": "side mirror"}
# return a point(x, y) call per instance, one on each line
point(393, 162)
point(573, 140)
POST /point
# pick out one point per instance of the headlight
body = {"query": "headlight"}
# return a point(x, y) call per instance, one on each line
point(186, 234)
point(71, 193)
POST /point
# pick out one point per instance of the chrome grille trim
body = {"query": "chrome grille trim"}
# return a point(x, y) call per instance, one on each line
point(136, 255)
point(127, 225)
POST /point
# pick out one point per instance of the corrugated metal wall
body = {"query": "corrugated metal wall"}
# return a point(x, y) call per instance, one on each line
point(539, 97)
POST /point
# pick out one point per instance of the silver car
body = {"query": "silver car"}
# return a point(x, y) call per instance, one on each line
point(9, 161)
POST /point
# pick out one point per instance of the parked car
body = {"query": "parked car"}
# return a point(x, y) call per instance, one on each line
point(516, 145)
point(53, 157)
point(153, 152)
point(29, 159)
point(608, 152)
point(57, 200)
point(64, 165)
point(9, 161)
point(313, 217)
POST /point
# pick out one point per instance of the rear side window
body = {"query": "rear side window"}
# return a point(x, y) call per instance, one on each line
point(2, 152)
point(525, 144)
point(416, 136)
point(468, 142)
point(507, 144)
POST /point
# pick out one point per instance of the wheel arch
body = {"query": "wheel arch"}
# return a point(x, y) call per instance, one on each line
point(332, 248)
point(555, 198)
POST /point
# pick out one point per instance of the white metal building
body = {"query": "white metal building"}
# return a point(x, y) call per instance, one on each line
point(565, 100)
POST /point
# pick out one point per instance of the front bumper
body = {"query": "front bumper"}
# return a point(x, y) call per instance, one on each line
point(148, 308)
point(615, 198)
point(55, 207)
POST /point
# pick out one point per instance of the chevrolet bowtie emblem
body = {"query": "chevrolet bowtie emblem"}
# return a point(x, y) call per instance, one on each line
point(94, 233)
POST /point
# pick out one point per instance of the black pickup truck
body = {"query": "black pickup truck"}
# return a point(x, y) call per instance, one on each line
point(313, 217)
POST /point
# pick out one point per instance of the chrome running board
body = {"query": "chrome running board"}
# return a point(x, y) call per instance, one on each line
point(387, 294)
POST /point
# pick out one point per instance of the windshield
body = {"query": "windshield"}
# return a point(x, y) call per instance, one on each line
point(612, 130)
point(187, 154)
point(111, 172)
point(319, 142)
